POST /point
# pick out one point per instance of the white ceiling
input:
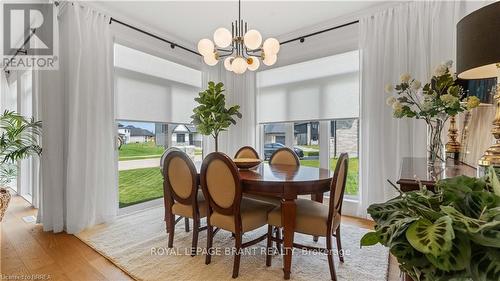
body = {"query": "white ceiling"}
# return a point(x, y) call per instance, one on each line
point(191, 21)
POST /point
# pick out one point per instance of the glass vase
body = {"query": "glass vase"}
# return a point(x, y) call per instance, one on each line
point(435, 147)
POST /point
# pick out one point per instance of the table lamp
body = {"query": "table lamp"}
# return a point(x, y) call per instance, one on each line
point(484, 90)
point(478, 57)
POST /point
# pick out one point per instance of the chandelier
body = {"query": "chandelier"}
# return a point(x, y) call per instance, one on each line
point(240, 48)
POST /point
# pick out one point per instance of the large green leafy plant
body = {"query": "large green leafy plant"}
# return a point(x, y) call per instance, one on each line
point(450, 234)
point(18, 140)
point(211, 116)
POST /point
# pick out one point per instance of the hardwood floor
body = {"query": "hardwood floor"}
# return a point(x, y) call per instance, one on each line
point(27, 250)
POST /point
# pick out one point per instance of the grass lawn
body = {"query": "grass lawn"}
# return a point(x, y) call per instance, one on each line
point(139, 185)
point(132, 151)
point(352, 184)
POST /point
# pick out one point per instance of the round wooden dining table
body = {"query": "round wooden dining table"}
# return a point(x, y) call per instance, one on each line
point(286, 182)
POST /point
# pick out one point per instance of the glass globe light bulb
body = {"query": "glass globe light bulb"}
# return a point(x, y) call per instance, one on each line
point(222, 37)
point(252, 39)
point(205, 47)
point(269, 59)
point(253, 63)
point(210, 59)
point(271, 46)
point(228, 63)
point(239, 65)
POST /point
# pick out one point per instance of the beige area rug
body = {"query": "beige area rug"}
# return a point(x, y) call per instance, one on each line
point(137, 243)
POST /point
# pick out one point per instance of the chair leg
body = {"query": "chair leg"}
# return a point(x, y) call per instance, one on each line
point(171, 230)
point(269, 245)
point(330, 257)
point(186, 224)
point(210, 237)
point(339, 245)
point(194, 244)
point(237, 255)
point(278, 236)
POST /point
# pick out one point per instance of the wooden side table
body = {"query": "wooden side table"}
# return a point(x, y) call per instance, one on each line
point(415, 169)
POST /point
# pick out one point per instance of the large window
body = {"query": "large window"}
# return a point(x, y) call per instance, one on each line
point(313, 108)
point(154, 101)
point(18, 97)
point(344, 137)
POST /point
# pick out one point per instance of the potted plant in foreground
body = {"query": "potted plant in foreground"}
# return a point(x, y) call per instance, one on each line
point(450, 234)
point(18, 140)
point(211, 116)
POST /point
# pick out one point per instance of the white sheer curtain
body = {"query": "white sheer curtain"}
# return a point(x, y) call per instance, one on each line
point(240, 89)
point(78, 165)
point(410, 37)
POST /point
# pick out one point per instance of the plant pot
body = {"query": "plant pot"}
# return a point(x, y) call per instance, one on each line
point(4, 201)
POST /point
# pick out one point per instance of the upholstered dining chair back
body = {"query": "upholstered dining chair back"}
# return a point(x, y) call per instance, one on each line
point(164, 155)
point(180, 178)
point(246, 152)
point(220, 182)
point(284, 156)
point(337, 186)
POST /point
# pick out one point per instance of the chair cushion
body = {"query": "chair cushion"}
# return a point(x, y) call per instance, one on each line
point(187, 210)
point(311, 217)
point(180, 177)
point(220, 183)
point(253, 216)
point(283, 157)
point(266, 199)
point(247, 153)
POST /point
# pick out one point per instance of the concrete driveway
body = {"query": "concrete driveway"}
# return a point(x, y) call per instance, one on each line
point(145, 163)
point(137, 164)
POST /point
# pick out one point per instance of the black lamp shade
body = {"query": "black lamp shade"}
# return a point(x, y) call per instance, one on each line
point(478, 43)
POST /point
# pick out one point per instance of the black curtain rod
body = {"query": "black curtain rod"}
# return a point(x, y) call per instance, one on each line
point(303, 37)
point(172, 44)
point(19, 50)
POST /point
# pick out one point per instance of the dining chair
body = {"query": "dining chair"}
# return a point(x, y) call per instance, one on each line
point(246, 152)
point(227, 208)
point(182, 197)
point(162, 160)
point(317, 219)
point(284, 156)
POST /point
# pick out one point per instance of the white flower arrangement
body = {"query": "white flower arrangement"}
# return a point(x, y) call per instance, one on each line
point(440, 96)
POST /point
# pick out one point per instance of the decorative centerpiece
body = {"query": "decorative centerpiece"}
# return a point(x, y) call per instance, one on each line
point(434, 103)
point(246, 163)
point(18, 140)
point(211, 116)
point(450, 234)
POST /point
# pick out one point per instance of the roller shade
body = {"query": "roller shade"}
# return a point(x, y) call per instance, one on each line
point(325, 88)
point(149, 88)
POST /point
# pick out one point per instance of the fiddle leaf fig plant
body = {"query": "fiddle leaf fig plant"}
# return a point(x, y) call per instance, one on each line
point(211, 116)
point(452, 233)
